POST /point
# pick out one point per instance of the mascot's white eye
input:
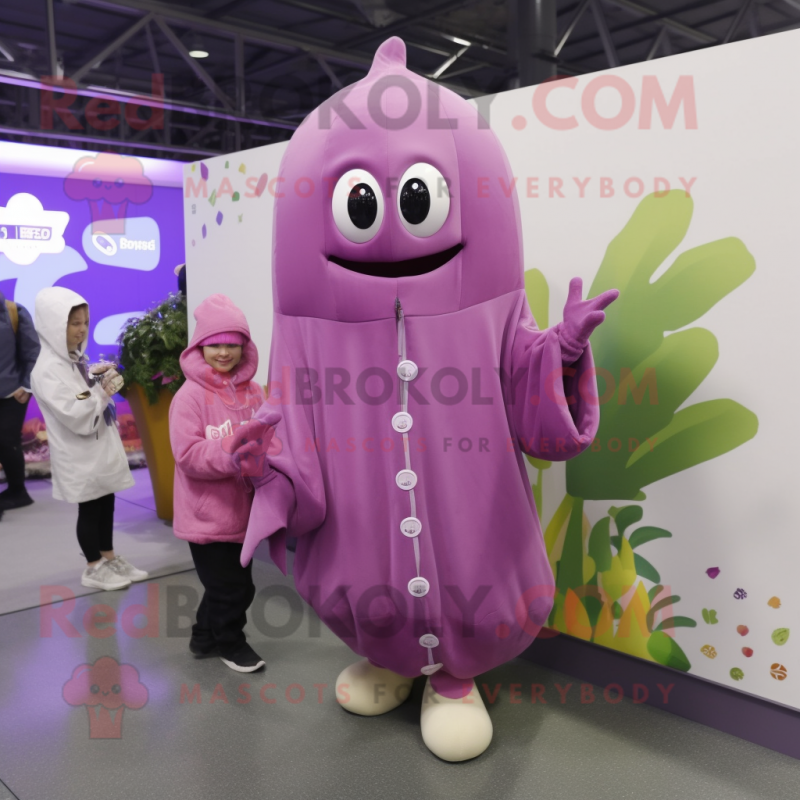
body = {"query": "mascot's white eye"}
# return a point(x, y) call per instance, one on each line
point(357, 205)
point(423, 200)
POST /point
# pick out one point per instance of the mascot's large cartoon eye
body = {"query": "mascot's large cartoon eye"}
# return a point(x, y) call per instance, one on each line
point(357, 205)
point(423, 200)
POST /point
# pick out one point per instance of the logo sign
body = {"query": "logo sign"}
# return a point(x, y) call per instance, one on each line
point(137, 246)
point(27, 230)
point(104, 243)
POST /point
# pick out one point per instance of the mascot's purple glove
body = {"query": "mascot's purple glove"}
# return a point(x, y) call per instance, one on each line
point(581, 317)
point(252, 444)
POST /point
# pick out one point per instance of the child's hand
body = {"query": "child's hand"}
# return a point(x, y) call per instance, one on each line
point(99, 369)
point(112, 382)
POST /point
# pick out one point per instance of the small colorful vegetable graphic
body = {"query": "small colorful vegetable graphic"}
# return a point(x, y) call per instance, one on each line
point(747, 652)
point(740, 594)
point(712, 572)
point(708, 650)
point(710, 616)
point(737, 674)
point(742, 630)
point(778, 671)
point(775, 602)
point(780, 636)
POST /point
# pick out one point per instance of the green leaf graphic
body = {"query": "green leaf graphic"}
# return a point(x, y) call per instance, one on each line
point(645, 569)
point(647, 533)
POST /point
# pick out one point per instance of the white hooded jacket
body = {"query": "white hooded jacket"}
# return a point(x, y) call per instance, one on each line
point(86, 455)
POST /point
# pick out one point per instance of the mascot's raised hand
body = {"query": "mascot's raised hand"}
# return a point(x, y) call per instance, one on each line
point(581, 317)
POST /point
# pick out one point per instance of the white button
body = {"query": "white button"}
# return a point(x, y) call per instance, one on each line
point(410, 527)
point(428, 640)
point(419, 587)
point(402, 422)
point(429, 669)
point(406, 479)
point(407, 370)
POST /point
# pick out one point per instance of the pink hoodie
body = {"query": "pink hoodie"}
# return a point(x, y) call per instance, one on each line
point(212, 499)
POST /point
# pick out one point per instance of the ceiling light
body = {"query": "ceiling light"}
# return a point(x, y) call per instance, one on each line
point(197, 47)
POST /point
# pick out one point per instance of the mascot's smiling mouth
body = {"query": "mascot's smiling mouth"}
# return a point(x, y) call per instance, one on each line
point(399, 269)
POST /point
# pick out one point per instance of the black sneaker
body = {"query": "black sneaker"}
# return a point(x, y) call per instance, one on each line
point(202, 648)
point(244, 660)
point(9, 500)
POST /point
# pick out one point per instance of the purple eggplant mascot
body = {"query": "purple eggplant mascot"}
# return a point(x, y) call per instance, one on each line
point(407, 379)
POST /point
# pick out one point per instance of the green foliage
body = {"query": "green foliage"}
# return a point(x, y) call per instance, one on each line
point(150, 347)
point(665, 650)
point(648, 368)
point(600, 544)
point(652, 371)
point(538, 293)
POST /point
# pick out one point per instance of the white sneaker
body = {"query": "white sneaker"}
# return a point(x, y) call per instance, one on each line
point(101, 576)
point(122, 567)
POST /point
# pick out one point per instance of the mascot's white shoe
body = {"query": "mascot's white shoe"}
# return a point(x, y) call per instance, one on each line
point(455, 730)
point(368, 690)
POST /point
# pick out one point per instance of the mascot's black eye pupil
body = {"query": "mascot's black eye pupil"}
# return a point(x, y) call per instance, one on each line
point(362, 206)
point(95, 688)
point(415, 201)
point(116, 688)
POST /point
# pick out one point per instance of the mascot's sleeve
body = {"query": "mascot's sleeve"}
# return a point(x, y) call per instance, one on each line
point(290, 498)
point(553, 408)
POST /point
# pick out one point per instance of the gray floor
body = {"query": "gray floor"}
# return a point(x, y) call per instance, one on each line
point(38, 547)
point(306, 749)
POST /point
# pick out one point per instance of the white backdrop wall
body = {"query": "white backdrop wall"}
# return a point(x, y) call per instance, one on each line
point(732, 142)
point(228, 203)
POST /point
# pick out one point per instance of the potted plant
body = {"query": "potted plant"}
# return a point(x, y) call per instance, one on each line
point(149, 351)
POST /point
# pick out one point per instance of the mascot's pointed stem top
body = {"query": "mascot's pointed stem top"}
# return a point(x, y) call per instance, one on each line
point(390, 55)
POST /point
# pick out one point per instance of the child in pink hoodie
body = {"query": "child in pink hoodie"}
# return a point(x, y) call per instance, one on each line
point(218, 447)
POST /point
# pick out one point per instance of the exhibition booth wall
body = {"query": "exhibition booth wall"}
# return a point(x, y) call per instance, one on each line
point(672, 537)
point(107, 226)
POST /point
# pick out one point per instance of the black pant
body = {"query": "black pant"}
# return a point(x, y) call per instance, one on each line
point(12, 416)
point(96, 526)
point(229, 590)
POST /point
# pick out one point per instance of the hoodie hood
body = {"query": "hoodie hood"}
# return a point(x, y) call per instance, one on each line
point(51, 311)
point(218, 314)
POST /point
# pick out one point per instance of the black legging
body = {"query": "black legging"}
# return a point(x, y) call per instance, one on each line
point(12, 416)
point(96, 526)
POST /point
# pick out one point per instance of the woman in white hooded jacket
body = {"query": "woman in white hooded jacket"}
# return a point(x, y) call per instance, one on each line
point(87, 459)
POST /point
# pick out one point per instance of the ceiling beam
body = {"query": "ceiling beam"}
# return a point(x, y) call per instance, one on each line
point(401, 25)
point(664, 20)
point(250, 32)
point(98, 59)
point(51, 39)
point(605, 34)
point(571, 27)
point(104, 141)
point(194, 64)
point(737, 20)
